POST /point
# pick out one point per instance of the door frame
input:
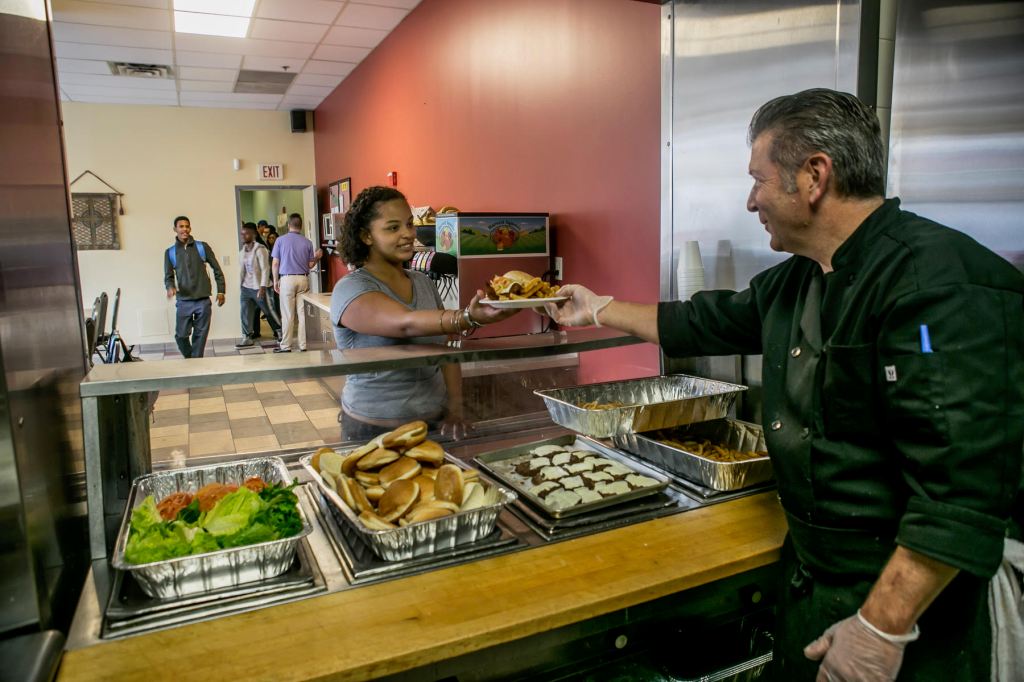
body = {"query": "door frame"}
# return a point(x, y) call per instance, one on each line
point(250, 188)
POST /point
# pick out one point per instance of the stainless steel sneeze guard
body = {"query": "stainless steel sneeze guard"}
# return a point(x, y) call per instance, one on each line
point(213, 570)
point(423, 538)
point(725, 476)
point(648, 404)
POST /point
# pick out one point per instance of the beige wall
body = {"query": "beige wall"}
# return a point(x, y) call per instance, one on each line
point(170, 161)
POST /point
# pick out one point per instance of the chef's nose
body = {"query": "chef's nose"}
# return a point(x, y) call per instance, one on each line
point(751, 204)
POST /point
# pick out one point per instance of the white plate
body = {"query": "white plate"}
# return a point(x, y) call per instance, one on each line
point(523, 302)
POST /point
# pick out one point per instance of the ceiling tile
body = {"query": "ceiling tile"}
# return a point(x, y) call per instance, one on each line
point(404, 4)
point(92, 90)
point(83, 66)
point(231, 97)
point(309, 91)
point(369, 16)
point(313, 11)
point(341, 53)
point(259, 48)
point(110, 35)
point(208, 59)
point(101, 14)
point(205, 86)
point(198, 73)
point(272, 29)
point(272, 63)
point(213, 104)
point(357, 37)
point(78, 80)
point(137, 99)
point(154, 4)
point(328, 68)
point(301, 103)
point(139, 55)
point(318, 79)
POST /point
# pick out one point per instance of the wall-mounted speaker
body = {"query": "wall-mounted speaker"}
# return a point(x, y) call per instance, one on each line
point(301, 120)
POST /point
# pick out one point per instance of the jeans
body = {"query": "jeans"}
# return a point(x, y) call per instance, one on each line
point(291, 310)
point(193, 320)
point(249, 304)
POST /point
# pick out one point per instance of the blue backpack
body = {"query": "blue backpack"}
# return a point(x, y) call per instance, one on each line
point(172, 253)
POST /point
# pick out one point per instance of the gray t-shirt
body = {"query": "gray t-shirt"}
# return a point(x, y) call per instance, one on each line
point(396, 394)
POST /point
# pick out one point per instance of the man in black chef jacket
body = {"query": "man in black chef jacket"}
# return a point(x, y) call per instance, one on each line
point(893, 406)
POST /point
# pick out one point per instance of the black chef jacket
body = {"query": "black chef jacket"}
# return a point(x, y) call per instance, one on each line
point(876, 441)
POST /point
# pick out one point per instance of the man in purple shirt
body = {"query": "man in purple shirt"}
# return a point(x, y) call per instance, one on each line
point(293, 256)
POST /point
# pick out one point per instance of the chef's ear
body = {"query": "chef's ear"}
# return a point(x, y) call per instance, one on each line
point(818, 168)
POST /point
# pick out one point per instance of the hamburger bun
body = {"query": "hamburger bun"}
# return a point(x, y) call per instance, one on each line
point(329, 461)
point(427, 452)
point(329, 480)
point(376, 459)
point(440, 504)
point(405, 436)
point(348, 466)
point(470, 475)
point(475, 497)
point(362, 502)
point(448, 485)
point(367, 478)
point(402, 468)
point(374, 493)
point(374, 522)
point(315, 460)
point(397, 499)
point(426, 484)
point(345, 492)
point(426, 512)
point(429, 471)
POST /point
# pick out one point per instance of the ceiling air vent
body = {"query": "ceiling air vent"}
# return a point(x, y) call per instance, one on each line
point(263, 82)
point(141, 70)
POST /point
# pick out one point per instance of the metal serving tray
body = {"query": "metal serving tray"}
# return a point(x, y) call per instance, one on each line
point(418, 539)
point(649, 404)
point(724, 476)
point(213, 570)
point(491, 462)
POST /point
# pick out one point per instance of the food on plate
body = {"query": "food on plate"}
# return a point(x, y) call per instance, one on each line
point(713, 451)
point(597, 405)
point(516, 285)
point(252, 513)
point(400, 478)
point(563, 477)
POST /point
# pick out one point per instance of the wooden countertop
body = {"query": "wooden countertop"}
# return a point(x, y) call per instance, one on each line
point(386, 628)
point(321, 301)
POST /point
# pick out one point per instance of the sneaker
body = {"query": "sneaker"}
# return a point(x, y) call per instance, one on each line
point(244, 342)
point(282, 350)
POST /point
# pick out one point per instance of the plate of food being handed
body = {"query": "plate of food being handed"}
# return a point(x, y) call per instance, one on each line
point(518, 289)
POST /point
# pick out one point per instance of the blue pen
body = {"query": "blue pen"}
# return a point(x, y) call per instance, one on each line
point(926, 340)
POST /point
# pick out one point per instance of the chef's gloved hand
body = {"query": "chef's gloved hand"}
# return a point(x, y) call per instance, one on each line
point(853, 650)
point(580, 310)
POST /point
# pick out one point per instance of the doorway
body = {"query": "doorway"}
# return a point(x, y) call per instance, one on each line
point(254, 203)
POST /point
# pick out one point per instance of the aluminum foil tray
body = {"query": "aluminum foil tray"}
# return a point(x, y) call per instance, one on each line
point(648, 404)
point(418, 539)
point(213, 570)
point(497, 465)
point(717, 475)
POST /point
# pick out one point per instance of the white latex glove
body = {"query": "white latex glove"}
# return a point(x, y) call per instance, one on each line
point(854, 651)
point(580, 310)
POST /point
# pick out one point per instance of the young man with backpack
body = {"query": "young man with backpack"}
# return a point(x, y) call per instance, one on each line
point(186, 278)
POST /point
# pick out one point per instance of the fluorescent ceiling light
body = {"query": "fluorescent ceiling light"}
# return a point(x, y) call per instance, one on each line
point(234, 8)
point(211, 24)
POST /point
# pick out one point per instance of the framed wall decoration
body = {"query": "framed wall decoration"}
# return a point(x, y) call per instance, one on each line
point(339, 195)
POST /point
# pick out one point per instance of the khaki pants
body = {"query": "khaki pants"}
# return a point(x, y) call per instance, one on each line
point(291, 287)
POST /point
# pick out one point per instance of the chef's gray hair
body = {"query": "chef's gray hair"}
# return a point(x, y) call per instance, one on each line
point(822, 120)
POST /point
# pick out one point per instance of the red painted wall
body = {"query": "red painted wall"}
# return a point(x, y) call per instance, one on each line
point(531, 105)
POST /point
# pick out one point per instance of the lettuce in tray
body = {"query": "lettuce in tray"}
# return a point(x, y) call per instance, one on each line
point(240, 517)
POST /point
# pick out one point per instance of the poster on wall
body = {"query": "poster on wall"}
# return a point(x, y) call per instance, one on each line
point(495, 235)
point(339, 195)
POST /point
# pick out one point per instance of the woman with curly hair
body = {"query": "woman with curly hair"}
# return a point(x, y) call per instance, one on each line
point(382, 303)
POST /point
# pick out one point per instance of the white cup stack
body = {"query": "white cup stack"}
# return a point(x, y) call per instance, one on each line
point(690, 271)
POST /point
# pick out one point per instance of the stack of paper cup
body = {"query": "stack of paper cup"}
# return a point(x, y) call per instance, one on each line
point(690, 271)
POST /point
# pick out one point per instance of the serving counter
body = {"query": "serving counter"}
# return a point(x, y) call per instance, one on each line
point(527, 604)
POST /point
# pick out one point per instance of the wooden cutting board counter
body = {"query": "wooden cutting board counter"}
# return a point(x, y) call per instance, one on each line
point(371, 631)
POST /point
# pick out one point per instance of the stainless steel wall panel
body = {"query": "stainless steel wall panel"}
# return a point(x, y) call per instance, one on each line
point(957, 138)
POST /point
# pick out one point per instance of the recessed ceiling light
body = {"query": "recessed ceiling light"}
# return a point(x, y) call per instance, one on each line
point(234, 8)
point(211, 24)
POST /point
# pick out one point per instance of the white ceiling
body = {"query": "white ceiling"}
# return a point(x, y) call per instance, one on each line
point(321, 41)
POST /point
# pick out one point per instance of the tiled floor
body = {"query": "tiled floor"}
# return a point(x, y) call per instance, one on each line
point(242, 418)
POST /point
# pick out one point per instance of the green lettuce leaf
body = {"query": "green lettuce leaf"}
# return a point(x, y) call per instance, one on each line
point(146, 515)
point(281, 512)
point(257, 532)
point(233, 512)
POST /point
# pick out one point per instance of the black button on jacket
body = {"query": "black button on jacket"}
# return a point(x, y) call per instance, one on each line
point(918, 448)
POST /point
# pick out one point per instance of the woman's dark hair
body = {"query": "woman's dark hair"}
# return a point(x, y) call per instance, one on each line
point(358, 217)
point(822, 120)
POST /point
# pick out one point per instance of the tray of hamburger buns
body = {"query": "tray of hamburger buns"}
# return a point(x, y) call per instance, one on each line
point(615, 408)
point(404, 496)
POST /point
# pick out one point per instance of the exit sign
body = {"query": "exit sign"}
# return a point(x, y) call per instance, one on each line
point(271, 171)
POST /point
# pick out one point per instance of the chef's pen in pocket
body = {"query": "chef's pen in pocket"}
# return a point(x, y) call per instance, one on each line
point(926, 340)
